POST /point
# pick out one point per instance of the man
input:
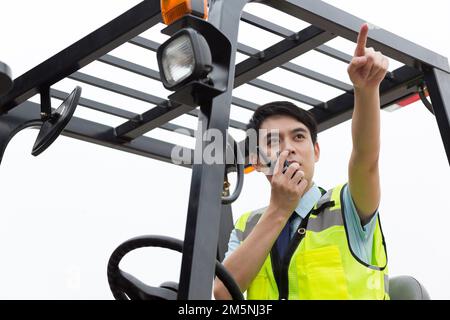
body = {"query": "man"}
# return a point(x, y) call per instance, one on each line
point(309, 243)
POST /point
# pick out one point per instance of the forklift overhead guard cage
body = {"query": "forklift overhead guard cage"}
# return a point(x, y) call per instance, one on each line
point(208, 221)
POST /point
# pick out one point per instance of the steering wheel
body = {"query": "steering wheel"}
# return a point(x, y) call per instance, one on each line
point(124, 286)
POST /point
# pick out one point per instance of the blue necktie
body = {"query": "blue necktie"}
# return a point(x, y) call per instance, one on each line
point(284, 237)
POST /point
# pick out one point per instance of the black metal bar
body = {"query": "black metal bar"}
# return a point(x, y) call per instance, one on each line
point(257, 83)
point(266, 25)
point(13, 123)
point(287, 93)
point(340, 109)
point(140, 126)
point(163, 112)
point(94, 105)
point(153, 74)
point(131, 23)
point(179, 129)
point(343, 24)
point(438, 84)
point(153, 118)
point(335, 54)
point(6, 81)
point(204, 210)
point(145, 43)
point(317, 76)
point(233, 123)
point(244, 104)
point(151, 45)
point(117, 88)
point(280, 53)
point(297, 69)
point(28, 113)
point(46, 104)
point(130, 66)
point(145, 146)
point(285, 33)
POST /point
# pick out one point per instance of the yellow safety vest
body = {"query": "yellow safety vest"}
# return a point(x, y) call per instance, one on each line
point(320, 263)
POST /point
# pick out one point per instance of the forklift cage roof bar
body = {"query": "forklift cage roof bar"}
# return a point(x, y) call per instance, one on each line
point(206, 217)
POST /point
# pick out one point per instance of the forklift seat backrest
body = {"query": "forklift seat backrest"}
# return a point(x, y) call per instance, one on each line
point(407, 288)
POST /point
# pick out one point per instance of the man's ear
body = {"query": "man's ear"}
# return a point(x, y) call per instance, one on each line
point(316, 151)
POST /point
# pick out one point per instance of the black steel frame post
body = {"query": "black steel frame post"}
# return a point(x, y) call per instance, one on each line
point(11, 124)
point(438, 84)
point(204, 209)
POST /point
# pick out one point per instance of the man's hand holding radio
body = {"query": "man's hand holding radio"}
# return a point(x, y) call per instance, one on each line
point(287, 187)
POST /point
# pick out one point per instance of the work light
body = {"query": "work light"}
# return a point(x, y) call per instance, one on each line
point(185, 57)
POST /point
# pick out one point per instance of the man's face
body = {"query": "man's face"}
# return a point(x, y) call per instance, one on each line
point(279, 133)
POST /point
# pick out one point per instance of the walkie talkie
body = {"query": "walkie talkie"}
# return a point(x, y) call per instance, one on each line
point(268, 163)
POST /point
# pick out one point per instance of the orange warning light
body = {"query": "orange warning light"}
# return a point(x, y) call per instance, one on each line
point(173, 10)
point(249, 169)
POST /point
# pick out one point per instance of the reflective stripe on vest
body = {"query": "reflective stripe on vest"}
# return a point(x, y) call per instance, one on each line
point(323, 265)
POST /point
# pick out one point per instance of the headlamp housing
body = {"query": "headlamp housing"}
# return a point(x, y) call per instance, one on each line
point(185, 57)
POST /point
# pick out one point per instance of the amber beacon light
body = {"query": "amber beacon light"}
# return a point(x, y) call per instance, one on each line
point(173, 10)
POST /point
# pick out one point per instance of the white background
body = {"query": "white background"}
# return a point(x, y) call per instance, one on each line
point(63, 213)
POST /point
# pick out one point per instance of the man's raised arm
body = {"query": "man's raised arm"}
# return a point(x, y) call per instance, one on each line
point(366, 70)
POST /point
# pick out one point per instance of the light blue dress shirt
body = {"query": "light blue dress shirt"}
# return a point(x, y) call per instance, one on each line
point(360, 237)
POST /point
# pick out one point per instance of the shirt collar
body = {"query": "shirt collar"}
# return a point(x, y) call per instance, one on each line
point(308, 200)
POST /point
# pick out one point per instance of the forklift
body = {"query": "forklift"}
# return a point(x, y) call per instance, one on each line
point(198, 65)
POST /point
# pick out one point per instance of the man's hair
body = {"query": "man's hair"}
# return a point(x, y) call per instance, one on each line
point(283, 108)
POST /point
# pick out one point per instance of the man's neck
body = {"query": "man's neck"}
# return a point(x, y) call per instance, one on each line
point(310, 186)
